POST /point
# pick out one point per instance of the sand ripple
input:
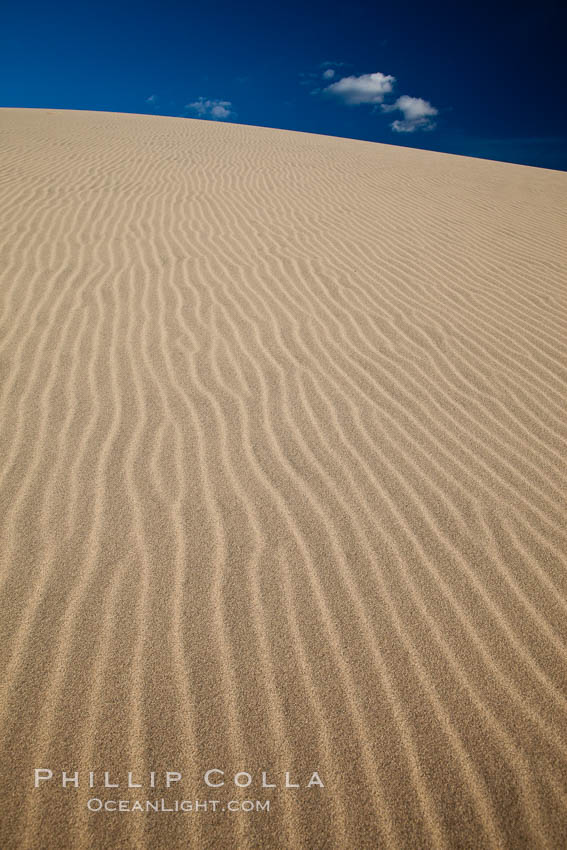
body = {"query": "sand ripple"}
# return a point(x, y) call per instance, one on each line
point(283, 484)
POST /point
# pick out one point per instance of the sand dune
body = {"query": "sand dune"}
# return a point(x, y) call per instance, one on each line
point(283, 477)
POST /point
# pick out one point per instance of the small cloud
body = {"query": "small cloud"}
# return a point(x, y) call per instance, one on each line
point(367, 88)
point(307, 78)
point(327, 70)
point(335, 64)
point(152, 99)
point(218, 109)
point(417, 112)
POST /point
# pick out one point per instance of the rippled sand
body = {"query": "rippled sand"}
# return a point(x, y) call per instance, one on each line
point(283, 474)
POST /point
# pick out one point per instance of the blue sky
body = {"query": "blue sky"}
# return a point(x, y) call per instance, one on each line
point(477, 79)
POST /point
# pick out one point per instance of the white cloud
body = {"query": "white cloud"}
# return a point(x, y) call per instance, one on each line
point(326, 71)
point(219, 109)
point(367, 88)
point(417, 112)
point(152, 99)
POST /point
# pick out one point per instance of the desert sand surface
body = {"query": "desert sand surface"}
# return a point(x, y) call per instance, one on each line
point(283, 474)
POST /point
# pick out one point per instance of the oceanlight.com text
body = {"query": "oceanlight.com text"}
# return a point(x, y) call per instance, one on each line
point(163, 806)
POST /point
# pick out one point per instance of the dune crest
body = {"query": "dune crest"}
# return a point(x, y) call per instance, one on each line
point(283, 465)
